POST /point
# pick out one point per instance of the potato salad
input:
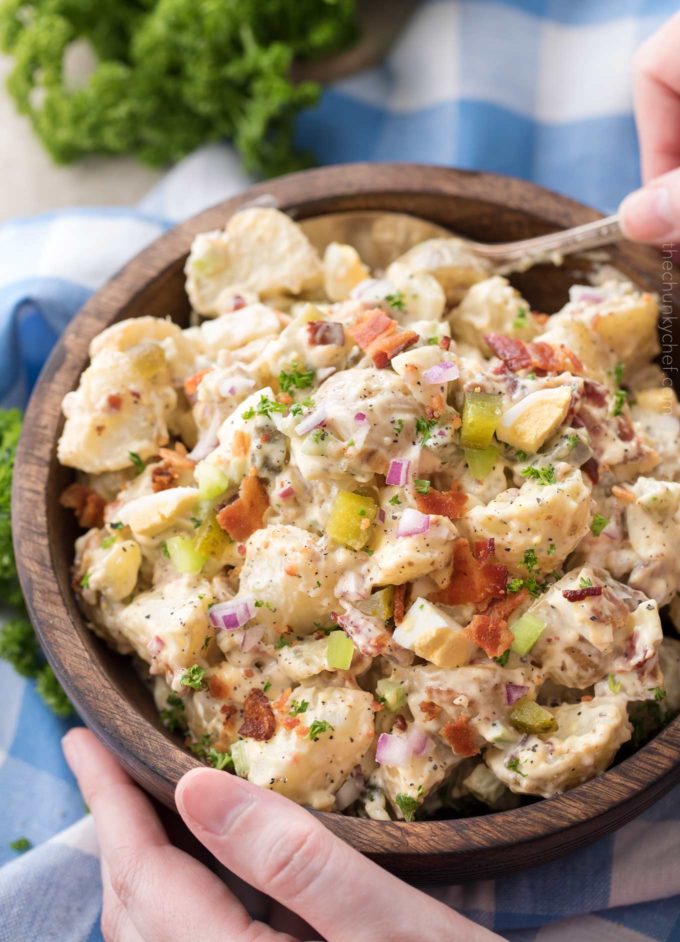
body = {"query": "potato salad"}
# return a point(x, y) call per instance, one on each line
point(390, 543)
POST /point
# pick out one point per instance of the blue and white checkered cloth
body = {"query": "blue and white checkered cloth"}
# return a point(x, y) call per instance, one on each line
point(535, 88)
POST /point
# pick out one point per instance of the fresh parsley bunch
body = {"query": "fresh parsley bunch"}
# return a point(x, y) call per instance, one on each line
point(18, 643)
point(171, 74)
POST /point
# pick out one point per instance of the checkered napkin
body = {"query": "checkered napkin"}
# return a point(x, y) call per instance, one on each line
point(535, 88)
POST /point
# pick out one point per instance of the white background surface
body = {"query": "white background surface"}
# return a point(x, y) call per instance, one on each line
point(31, 183)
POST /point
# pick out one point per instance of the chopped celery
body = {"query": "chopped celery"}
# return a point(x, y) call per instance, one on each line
point(391, 693)
point(481, 461)
point(211, 480)
point(380, 604)
point(183, 556)
point(529, 717)
point(526, 630)
point(481, 413)
point(351, 518)
point(484, 785)
point(210, 540)
point(339, 651)
point(239, 757)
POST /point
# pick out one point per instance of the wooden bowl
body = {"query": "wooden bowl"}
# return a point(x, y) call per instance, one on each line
point(107, 692)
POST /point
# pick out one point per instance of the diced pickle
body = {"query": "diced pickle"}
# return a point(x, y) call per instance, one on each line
point(481, 461)
point(391, 693)
point(380, 604)
point(351, 518)
point(530, 717)
point(481, 414)
point(183, 556)
point(210, 540)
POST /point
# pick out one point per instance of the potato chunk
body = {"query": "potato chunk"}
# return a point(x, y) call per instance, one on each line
point(310, 761)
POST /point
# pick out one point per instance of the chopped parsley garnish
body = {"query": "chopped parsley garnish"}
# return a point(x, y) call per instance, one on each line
point(298, 706)
point(218, 760)
point(172, 716)
point(164, 549)
point(282, 642)
point(572, 440)
point(598, 523)
point(266, 686)
point(297, 407)
point(521, 455)
point(407, 805)
point(521, 320)
point(659, 693)
point(195, 522)
point(394, 500)
point(552, 549)
point(136, 461)
point(422, 485)
point(620, 397)
point(424, 428)
point(502, 659)
point(318, 727)
point(618, 373)
point(21, 844)
point(396, 300)
point(117, 525)
point(319, 435)
point(398, 426)
point(542, 475)
point(530, 560)
point(295, 378)
point(585, 583)
point(514, 585)
point(268, 605)
point(264, 407)
point(432, 341)
point(85, 581)
point(108, 541)
point(513, 765)
point(614, 684)
point(194, 677)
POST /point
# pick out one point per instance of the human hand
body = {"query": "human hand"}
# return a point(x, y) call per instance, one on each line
point(652, 213)
point(154, 892)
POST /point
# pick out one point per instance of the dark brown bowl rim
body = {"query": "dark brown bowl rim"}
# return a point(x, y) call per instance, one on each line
point(150, 756)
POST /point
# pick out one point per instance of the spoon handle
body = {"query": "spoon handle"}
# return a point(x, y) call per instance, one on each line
point(592, 235)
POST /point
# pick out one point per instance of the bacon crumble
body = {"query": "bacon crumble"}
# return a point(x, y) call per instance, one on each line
point(259, 721)
point(86, 503)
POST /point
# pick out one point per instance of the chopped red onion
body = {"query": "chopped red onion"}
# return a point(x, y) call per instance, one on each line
point(350, 790)
point(251, 637)
point(232, 614)
point(155, 646)
point(287, 492)
point(233, 385)
point(324, 333)
point(207, 442)
point(419, 742)
point(578, 293)
point(444, 372)
point(311, 421)
point(360, 417)
point(397, 473)
point(392, 750)
point(514, 692)
point(381, 515)
point(412, 523)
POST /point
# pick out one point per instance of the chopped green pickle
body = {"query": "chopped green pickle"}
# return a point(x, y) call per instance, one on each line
point(530, 717)
point(351, 518)
point(481, 461)
point(380, 604)
point(211, 481)
point(210, 540)
point(391, 693)
point(183, 556)
point(481, 413)
point(526, 630)
point(339, 651)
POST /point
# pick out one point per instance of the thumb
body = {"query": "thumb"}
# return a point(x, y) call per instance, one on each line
point(652, 213)
point(279, 848)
